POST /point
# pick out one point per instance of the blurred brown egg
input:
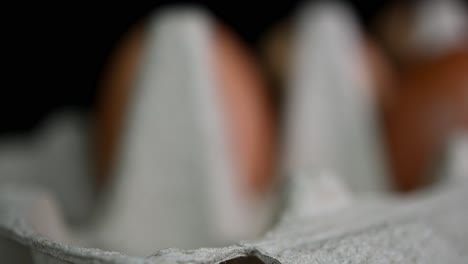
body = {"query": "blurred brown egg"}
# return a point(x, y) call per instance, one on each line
point(431, 103)
point(381, 71)
point(248, 114)
point(115, 90)
point(276, 51)
point(248, 108)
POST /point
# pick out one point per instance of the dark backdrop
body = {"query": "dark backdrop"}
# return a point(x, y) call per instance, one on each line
point(53, 53)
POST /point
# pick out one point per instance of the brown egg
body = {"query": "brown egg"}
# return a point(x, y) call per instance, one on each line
point(393, 28)
point(381, 71)
point(431, 103)
point(116, 88)
point(247, 112)
point(276, 51)
point(248, 109)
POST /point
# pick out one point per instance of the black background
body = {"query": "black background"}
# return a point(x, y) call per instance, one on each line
point(53, 53)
